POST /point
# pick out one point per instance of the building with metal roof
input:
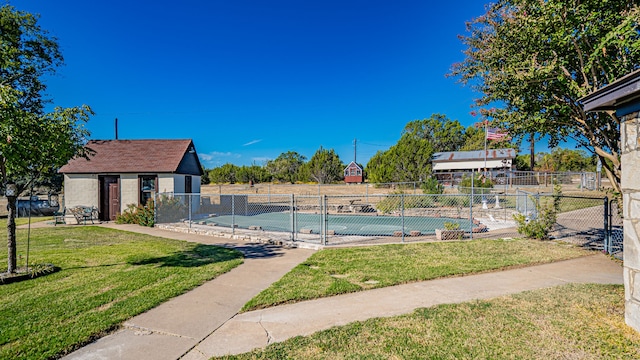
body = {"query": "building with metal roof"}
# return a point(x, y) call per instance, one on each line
point(494, 159)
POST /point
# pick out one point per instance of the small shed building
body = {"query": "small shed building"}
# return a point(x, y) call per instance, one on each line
point(123, 172)
point(353, 173)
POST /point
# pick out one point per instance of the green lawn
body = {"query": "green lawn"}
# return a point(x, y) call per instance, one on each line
point(106, 277)
point(566, 322)
point(336, 271)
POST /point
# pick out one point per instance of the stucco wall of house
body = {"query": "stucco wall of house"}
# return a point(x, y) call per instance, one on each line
point(129, 190)
point(80, 189)
point(195, 184)
point(630, 183)
point(178, 184)
point(83, 189)
point(166, 183)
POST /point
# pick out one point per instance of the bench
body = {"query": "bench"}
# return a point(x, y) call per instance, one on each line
point(83, 213)
point(58, 217)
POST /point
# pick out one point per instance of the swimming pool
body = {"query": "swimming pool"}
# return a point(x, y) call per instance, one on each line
point(366, 225)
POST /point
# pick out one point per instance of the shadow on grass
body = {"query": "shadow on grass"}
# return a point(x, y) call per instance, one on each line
point(200, 255)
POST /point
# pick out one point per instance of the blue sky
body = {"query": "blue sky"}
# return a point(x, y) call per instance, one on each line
point(249, 80)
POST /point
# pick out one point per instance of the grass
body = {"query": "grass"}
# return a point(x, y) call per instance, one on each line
point(24, 220)
point(336, 271)
point(106, 277)
point(566, 322)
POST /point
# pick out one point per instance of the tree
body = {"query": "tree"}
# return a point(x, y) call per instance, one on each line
point(410, 158)
point(286, 166)
point(474, 140)
point(407, 160)
point(534, 60)
point(443, 134)
point(325, 166)
point(566, 160)
point(33, 145)
point(224, 174)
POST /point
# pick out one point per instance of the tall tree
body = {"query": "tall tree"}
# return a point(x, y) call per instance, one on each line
point(534, 60)
point(325, 166)
point(410, 158)
point(286, 166)
point(33, 144)
point(443, 134)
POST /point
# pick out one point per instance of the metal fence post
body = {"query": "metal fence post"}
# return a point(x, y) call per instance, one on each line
point(155, 208)
point(190, 219)
point(293, 220)
point(366, 189)
point(607, 230)
point(471, 206)
point(325, 214)
point(233, 214)
point(402, 213)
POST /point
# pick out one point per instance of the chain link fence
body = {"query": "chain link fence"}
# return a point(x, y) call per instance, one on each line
point(388, 218)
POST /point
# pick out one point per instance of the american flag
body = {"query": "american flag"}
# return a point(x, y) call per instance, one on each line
point(496, 134)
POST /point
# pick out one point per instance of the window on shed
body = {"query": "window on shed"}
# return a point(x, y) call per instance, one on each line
point(352, 171)
point(148, 185)
point(187, 184)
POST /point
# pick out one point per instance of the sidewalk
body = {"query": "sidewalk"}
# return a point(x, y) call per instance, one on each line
point(170, 330)
point(204, 322)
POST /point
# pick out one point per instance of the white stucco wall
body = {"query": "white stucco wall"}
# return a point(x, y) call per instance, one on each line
point(80, 189)
point(166, 183)
point(83, 189)
point(178, 184)
point(195, 184)
point(129, 191)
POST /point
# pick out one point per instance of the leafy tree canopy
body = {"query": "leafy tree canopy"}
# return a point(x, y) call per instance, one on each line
point(33, 145)
point(410, 158)
point(325, 166)
point(474, 140)
point(286, 166)
point(534, 59)
point(443, 134)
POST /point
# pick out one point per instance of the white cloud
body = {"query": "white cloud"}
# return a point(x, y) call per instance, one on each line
point(216, 158)
point(252, 142)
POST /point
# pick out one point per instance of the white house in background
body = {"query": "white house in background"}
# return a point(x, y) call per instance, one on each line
point(492, 160)
point(123, 172)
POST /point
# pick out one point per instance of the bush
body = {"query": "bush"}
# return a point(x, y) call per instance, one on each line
point(170, 209)
point(141, 215)
point(540, 227)
point(390, 203)
point(432, 186)
point(455, 200)
point(394, 202)
point(448, 225)
point(481, 185)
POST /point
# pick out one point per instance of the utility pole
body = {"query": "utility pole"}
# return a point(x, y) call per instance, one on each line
point(354, 150)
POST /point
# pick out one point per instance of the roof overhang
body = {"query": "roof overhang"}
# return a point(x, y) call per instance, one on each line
point(621, 96)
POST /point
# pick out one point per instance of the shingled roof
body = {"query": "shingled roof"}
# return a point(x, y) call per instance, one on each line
point(137, 156)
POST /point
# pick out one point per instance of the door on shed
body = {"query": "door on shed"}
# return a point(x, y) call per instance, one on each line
point(109, 197)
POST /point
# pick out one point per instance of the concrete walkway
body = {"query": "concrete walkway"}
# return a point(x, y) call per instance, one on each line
point(204, 322)
point(172, 329)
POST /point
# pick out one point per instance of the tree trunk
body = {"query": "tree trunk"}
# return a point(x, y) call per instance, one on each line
point(532, 161)
point(11, 236)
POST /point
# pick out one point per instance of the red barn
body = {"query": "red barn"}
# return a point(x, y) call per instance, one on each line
point(353, 173)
